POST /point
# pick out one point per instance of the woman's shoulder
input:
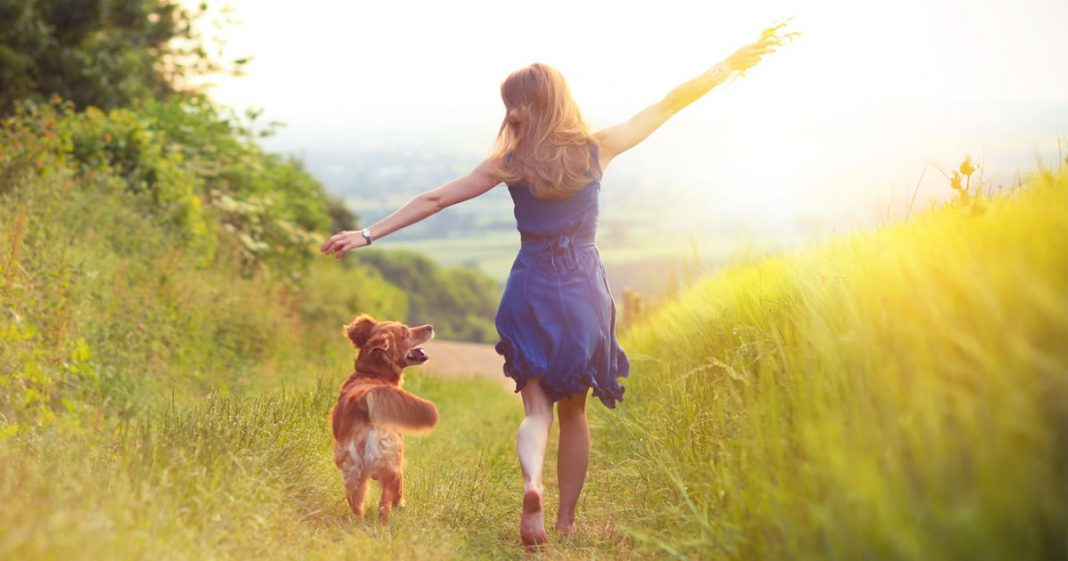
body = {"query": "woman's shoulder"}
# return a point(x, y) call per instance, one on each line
point(494, 166)
point(597, 140)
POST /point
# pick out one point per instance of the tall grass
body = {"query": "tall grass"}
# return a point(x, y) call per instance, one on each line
point(899, 394)
point(253, 478)
point(240, 478)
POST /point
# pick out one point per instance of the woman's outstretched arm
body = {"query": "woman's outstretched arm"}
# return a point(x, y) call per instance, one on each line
point(483, 178)
point(615, 140)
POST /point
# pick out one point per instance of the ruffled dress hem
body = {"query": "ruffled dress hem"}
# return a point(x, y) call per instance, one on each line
point(520, 369)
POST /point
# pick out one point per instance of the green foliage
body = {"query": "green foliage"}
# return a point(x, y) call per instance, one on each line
point(459, 301)
point(103, 53)
point(188, 166)
point(158, 249)
point(122, 277)
point(103, 306)
point(269, 205)
point(332, 296)
point(899, 394)
point(342, 216)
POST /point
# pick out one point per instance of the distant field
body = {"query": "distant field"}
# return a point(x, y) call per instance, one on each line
point(491, 253)
point(641, 263)
point(642, 241)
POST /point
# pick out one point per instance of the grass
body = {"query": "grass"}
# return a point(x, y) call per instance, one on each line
point(898, 394)
point(253, 477)
point(159, 400)
point(895, 394)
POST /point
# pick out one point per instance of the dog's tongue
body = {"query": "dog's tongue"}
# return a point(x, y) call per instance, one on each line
point(418, 354)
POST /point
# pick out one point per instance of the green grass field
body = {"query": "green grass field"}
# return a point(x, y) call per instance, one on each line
point(895, 394)
point(253, 478)
point(898, 394)
point(493, 253)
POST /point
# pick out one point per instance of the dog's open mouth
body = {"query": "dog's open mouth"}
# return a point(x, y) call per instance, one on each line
point(417, 356)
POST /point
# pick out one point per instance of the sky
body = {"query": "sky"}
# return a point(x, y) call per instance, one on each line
point(826, 133)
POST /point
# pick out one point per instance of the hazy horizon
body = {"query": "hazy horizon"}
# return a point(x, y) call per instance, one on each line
point(829, 134)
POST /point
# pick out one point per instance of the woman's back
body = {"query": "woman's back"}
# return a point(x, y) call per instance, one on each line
point(557, 319)
point(576, 214)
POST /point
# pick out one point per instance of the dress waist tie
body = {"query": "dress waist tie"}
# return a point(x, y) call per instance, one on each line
point(561, 248)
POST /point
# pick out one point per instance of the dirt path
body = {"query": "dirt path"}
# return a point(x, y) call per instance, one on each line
point(453, 359)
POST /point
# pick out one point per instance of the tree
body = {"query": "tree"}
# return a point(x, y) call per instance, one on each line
point(104, 53)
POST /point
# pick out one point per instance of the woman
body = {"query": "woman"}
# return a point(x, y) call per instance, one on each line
point(556, 317)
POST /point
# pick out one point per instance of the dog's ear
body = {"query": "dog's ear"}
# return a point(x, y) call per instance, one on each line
point(359, 330)
point(381, 342)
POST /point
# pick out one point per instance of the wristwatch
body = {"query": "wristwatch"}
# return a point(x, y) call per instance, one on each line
point(366, 235)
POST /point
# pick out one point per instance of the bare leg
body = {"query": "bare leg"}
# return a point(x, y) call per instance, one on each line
point(532, 438)
point(573, 458)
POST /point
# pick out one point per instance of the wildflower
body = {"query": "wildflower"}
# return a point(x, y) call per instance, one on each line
point(966, 167)
point(956, 180)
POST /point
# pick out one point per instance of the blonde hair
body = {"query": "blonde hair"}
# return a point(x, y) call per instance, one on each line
point(544, 132)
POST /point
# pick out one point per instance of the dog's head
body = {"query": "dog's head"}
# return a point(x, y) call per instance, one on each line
point(386, 347)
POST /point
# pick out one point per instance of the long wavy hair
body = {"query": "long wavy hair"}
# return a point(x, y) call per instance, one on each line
point(544, 132)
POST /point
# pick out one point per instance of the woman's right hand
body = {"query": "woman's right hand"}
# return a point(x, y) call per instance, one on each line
point(342, 242)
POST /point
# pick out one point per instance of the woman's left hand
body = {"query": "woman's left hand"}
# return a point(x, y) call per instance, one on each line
point(748, 56)
point(341, 242)
point(771, 39)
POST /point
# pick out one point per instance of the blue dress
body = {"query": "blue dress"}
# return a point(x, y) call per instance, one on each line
point(557, 319)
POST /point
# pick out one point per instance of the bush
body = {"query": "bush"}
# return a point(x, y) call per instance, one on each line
point(460, 301)
point(152, 251)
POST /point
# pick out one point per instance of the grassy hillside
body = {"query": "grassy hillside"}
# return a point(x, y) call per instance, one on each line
point(900, 394)
point(153, 253)
point(157, 249)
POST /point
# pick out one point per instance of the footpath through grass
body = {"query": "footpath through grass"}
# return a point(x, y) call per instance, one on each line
point(252, 478)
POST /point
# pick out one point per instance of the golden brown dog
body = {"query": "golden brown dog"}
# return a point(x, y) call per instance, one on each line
point(372, 410)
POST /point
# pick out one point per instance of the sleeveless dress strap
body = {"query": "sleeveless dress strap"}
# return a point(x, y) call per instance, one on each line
point(595, 160)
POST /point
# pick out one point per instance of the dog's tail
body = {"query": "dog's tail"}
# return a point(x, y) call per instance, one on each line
point(391, 405)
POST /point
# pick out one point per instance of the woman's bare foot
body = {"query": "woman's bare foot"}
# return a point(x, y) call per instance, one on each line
point(564, 528)
point(532, 523)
